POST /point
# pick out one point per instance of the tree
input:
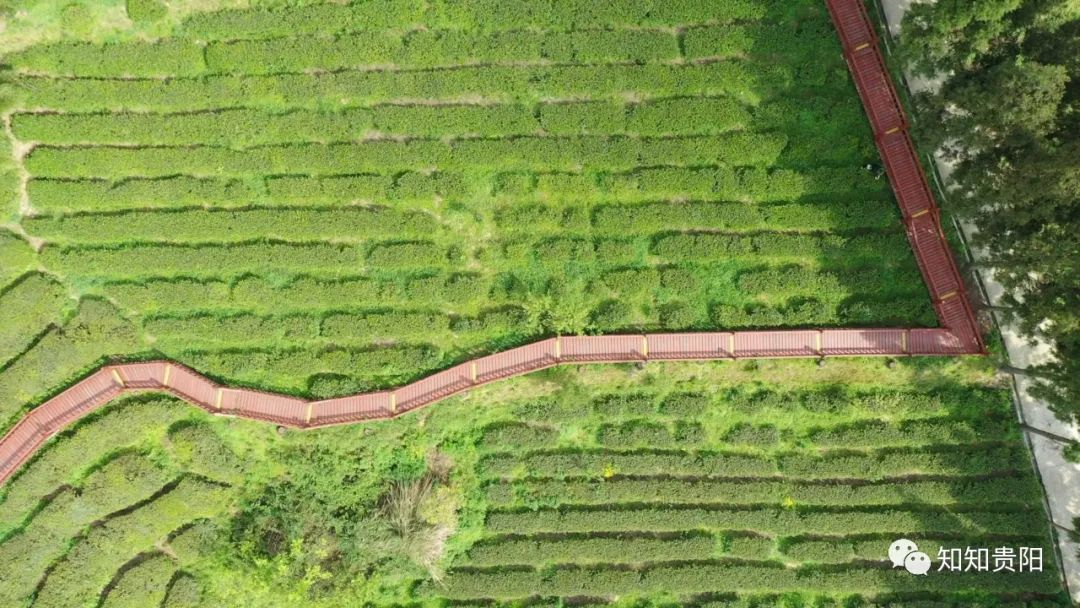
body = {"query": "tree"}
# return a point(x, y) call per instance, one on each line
point(1007, 114)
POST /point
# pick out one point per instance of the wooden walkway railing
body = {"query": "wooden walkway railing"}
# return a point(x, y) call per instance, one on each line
point(958, 334)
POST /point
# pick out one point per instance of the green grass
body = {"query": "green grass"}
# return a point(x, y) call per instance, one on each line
point(352, 202)
point(528, 499)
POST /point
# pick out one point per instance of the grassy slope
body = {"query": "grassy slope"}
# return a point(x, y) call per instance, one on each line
point(514, 238)
point(306, 529)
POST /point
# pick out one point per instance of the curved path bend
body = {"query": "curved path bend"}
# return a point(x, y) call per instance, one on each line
point(958, 333)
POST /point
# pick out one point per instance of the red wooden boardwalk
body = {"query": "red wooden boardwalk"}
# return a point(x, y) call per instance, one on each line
point(958, 333)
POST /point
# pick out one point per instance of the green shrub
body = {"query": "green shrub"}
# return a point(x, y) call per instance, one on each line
point(196, 542)
point(517, 436)
point(599, 462)
point(100, 195)
point(233, 329)
point(625, 405)
point(396, 255)
point(200, 450)
point(764, 436)
point(143, 584)
point(382, 325)
point(748, 546)
point(183, 593)
point(30, 305)
point(144, 59)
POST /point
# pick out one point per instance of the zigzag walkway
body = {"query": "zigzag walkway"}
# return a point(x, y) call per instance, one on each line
point(958, 334)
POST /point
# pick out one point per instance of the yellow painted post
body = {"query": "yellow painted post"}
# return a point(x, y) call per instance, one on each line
point(731, 344)
point(892, 130)
point(217, 398)
point(472, 371)
point(951, 294)
point(307, 416)
point(921, 213)
point(817, 339)
point(558, 347)
point(862, 46)
point(168, 374)
point(117, 377)
point(645, 346)
point(393, 402)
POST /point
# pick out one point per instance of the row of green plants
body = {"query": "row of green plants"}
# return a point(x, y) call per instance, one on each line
point(243, 127)
point(74, 454)
point(200, 225)
point(958, 459)
point(1018, 491)
point(827, 196)
point(304, 292)
point(29, 552)
point(336, 327)
point(745, 81)
point(620, 548)
point(722, 576)
point(771, 521)
point(95, 557)
point(321, 372)
point(826, 405)
point(844, 549)
point(145, 583)
point(482, 15)
point(160, 259)
point(30, 305)
point(559, 153)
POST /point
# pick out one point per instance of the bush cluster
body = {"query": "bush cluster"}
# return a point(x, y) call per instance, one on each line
point(144, 584)
point(202, 451)
point(30, 305)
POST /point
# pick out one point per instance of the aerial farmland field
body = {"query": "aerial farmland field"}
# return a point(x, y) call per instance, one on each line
point(322, 199)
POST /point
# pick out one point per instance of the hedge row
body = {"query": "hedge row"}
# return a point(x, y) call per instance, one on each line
point(144, 584)
point(161, 58)
point(90, 564)
point(915, 432)
point(29, 553)
point(301, 293)
point(29, 306)
point(517, 436)
point(283, 367)
point(722, 576)
point(978, 491)
point(65, 461)
point(791, 280)
point(565, 153)
point(202, 225)
point(650, 217)
point(624, 548)
point(148, 259)
point(943, 460)
point(50, 195)
point(772, 521)
point(241, 127)
point(482, 15)
point(837, 207)
point(744, 81)
point(184, 592)
point(438, 48)
point(650, 434)
point(834, 248)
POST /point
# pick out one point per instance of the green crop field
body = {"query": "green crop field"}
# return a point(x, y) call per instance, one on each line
point(333, 198)
point(674, 485)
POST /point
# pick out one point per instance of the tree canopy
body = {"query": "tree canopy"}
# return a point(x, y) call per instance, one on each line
point(1008, 115)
